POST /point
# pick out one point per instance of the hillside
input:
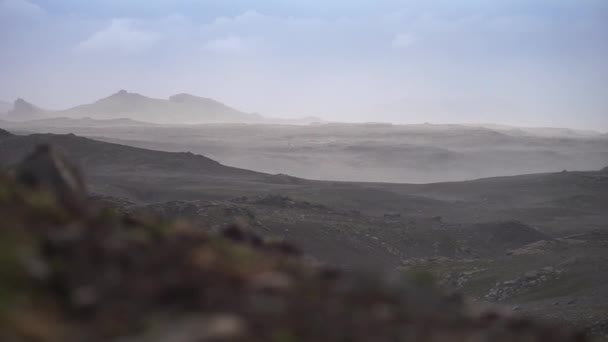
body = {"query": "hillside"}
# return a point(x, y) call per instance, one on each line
point(121, 105)
point(118, 169)
point(187, 105)
point(73, 272)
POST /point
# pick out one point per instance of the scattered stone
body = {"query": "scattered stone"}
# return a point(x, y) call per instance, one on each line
point(532, 279)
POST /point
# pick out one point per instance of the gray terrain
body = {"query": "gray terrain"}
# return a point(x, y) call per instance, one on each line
point(356, 152)
point(536, 243)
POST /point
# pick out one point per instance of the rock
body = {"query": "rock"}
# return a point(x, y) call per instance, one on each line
point(531, 274)
point(530, 280)
point(47, 168)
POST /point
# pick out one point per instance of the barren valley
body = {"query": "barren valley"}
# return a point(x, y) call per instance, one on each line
point(536, 243)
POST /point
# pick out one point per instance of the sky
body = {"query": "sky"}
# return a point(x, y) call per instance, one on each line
point(517, 62)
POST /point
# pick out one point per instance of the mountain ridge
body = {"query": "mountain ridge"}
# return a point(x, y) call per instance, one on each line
point(23, 110)
point(181, 108)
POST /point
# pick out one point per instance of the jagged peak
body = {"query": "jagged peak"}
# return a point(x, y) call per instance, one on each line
point(21, 102)
point(123, 95)
point(22, 106)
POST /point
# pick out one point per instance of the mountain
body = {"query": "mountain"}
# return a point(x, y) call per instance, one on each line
point(121, 105)
point(5, 107)
point(178, 109)
point(24, 111)
point(193, 106)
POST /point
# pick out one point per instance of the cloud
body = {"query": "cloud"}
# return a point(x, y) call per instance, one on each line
point(403, 40)
point(19, 14)
point(21, 8)
point(231, 45)
point(122, 35)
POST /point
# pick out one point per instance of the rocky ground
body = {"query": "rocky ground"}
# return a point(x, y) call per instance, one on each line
point(561, 280)
point(507, 263)
point(72, 271)
point(490, 239)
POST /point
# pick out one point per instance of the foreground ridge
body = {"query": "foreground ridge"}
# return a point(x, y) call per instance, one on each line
point(80, 273)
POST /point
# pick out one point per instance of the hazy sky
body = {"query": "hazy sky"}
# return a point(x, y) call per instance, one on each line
point(526, 62)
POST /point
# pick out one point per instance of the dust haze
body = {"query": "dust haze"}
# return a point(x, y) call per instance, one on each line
point(460, 145)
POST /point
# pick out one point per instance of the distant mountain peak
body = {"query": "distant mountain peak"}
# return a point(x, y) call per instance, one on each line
point(24, 109)
point(184, 98)
point(21, 103)
point(125, 94)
